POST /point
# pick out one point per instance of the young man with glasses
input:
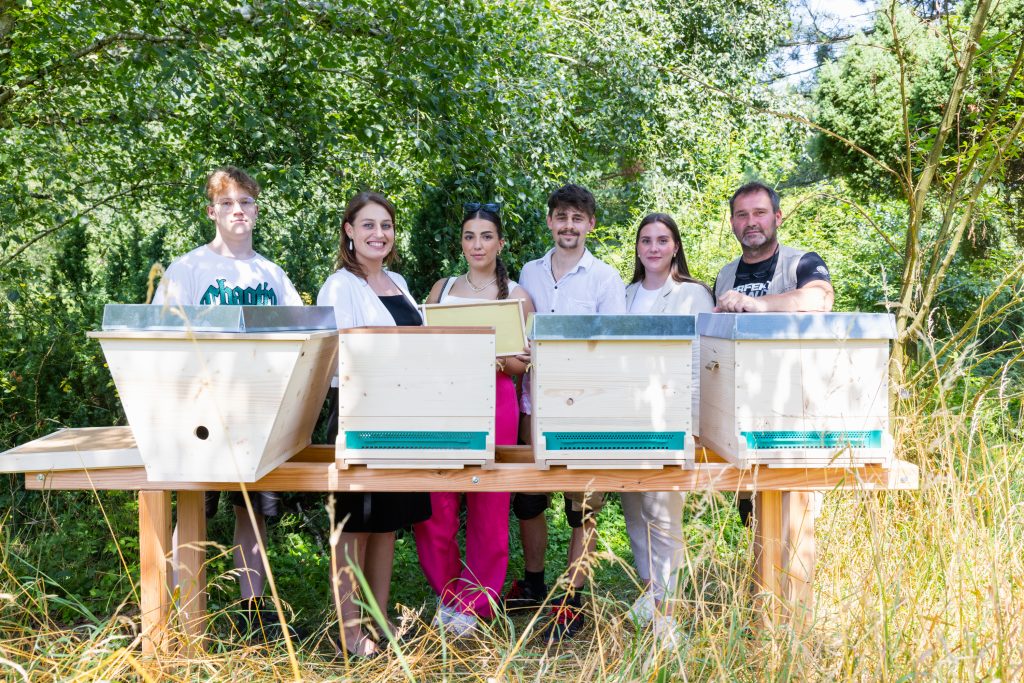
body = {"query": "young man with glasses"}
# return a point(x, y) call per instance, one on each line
point(567, 279)
point(227, 271)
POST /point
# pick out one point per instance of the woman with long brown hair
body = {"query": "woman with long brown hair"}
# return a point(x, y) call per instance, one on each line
point(661, 284)
point(364, 292)
point(467, 590)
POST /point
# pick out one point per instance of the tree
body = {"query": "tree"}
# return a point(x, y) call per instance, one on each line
point(931, 110)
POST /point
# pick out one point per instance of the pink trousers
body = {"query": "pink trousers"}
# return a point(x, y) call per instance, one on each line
point(471, 587)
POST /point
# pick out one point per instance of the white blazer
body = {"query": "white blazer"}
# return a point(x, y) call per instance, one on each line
point(354, 301)
point(681, 298)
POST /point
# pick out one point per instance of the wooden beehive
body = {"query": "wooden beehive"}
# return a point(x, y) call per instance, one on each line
point(218, 406)
point(796, 389)
point(416, 396)
point(612, 391)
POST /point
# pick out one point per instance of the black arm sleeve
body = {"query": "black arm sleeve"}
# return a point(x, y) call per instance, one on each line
point(810, 268)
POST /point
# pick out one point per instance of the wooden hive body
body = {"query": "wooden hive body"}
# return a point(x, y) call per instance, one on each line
point(804, 390)
point(219, 407)
point(619, 395)
point(416, 396)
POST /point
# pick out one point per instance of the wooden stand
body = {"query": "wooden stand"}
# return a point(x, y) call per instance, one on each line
point(782, 516)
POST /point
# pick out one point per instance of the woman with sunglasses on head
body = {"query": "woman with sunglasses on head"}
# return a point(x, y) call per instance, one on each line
point(468, 590)
point(661, 284)
point(364, 293)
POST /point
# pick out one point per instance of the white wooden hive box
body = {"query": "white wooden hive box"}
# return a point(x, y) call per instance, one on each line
point(416, 396)
point(796, 389)
point(612, 391)
point(207, 404)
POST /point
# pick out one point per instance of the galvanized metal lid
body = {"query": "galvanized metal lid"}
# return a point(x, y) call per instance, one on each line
point(550, 326)
point(218, 318)
point(797, 325)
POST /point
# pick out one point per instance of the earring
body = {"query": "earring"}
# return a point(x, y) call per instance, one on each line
point(351, 247)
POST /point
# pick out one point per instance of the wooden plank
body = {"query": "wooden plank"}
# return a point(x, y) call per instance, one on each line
point(407, 376)
point(192, 567)
point(769, 560)
point(717, 397)
point(75, 449)
point(154, 544)
point(317, 476)
point(810, 379)
point(301, 403)
point(799, 557)
point(613, 380)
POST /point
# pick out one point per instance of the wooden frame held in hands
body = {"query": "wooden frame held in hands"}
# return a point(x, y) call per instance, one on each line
point(505, 316)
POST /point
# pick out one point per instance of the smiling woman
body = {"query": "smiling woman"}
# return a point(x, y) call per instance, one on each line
point(661, 284)
point(364, 293)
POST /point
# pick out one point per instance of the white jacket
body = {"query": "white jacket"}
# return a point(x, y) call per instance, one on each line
point(354, 301)
point(679, 298)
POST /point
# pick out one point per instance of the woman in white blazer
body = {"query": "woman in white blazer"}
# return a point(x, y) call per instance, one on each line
point(661, 284)
point(364, 293)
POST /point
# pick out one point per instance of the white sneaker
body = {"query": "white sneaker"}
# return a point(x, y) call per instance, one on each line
point(454, 622)
point(642, 611)
point(668, 633)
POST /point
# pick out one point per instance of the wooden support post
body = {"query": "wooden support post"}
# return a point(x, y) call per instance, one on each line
point(154, 542)
point(785, 554)
point(799, 556)
point(191, 554)
point(769, 545)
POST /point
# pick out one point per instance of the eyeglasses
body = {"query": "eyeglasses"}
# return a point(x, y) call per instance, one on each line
point(228, 204)
point(490, 207)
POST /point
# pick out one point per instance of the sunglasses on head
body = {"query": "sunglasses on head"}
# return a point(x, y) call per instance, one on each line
point(473, 207)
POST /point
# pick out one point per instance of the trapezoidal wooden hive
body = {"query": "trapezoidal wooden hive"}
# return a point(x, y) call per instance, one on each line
point(796, 389)
point(219, 393)
point(612, 391)
point(416, 396)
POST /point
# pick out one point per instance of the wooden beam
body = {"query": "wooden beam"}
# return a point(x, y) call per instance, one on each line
point(769, 562)
point(191, 574)
point(319, 476)
point(154, 543)
point(799, 556)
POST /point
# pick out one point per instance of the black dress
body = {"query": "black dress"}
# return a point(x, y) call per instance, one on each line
point(379, 512)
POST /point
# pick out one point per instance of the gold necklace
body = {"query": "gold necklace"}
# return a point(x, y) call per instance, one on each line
point(479, 289)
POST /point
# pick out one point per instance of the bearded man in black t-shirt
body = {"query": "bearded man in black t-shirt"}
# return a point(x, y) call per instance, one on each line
point(769, 276)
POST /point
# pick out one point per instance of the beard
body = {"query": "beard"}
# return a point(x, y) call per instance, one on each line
point(755, 237)
point(568, 239)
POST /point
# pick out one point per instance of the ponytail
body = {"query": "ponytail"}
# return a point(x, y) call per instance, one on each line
point(501, 275)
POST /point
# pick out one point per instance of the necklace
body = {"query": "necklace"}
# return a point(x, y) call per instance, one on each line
point(479, 289)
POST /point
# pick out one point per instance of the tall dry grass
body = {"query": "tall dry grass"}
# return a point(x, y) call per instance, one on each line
point(923, 585)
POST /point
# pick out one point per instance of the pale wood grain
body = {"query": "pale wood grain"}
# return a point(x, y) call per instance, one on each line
point(154, 584)
point(611, 386)
point(191, 570)
point(255, 401)
point(416, 382)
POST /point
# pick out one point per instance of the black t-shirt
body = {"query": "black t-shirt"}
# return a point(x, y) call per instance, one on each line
point(753, 279)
